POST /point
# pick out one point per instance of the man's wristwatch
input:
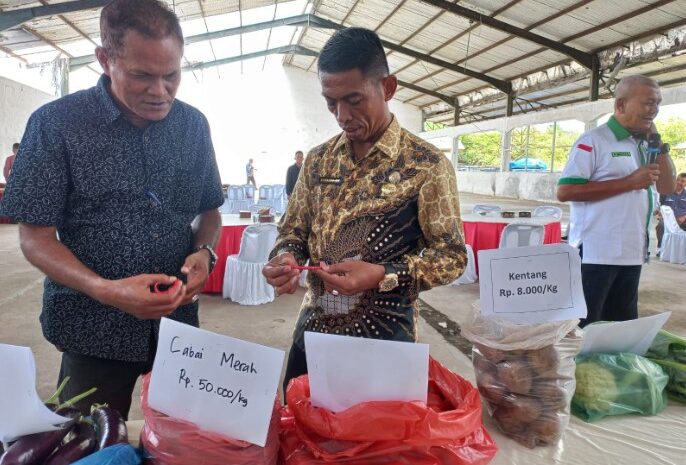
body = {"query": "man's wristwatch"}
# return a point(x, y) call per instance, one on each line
point(212, 254)
point(390, 279)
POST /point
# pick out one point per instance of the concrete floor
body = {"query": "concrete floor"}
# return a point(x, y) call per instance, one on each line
point(272, 324)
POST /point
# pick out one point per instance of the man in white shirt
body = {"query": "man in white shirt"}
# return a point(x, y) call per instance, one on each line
point(610, 183)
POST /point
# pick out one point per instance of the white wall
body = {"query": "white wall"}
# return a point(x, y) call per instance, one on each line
point(513, 184)
point(267, 116)
point(17, 102)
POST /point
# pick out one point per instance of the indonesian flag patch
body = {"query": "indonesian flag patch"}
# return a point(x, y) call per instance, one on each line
point(585, 148)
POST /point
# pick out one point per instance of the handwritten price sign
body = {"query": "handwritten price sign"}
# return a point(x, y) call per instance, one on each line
point(221, 384)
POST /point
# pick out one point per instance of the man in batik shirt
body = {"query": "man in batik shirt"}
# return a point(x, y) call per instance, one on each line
point(375, 206)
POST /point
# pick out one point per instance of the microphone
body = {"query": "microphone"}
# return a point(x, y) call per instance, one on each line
point(654, 147)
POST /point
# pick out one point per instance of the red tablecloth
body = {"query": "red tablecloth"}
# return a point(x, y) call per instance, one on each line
point(229, 243)
point(482, 235)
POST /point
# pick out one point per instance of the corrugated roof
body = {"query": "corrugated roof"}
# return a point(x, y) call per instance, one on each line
point(541, 77)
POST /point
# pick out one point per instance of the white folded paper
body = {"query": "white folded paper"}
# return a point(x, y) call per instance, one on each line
point(345, 371)
point(633, 336)
point(22, 410)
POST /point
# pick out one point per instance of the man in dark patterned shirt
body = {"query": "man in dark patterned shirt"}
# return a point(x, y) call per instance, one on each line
point(375, 206)
point(119, 171)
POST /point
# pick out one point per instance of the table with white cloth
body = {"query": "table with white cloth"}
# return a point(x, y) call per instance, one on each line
point(617, 440)
point(483, 232)
point(229, 243)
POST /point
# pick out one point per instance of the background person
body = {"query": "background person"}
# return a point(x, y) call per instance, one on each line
point(677, 202)
point(611, 188)
point(9, 161)
point(250, 173)
point(293, 172)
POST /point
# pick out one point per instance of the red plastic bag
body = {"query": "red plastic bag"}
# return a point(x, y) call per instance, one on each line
point(446, 431)
point(171, 441)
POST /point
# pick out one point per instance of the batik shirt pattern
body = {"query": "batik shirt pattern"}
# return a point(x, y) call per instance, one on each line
point(399, 206)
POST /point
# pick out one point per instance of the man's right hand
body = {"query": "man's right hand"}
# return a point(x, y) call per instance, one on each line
point(281, 274)
point(132, 295)
point(644, 177)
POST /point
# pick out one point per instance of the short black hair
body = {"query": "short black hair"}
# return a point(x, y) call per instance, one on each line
point(354, 48)
point(150, 18)
point(15, 146)
point(682, 175)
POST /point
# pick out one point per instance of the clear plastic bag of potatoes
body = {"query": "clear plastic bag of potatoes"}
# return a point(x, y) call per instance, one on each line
point(525, 373)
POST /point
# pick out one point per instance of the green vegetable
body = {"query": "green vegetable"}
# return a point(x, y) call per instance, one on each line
point(676, 387)
point(669, 351)
point(595, 387)
point(615, 384)
point(668, 346)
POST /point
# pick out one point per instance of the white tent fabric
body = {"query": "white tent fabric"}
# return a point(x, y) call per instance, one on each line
point(674, 241)
point(243, 280)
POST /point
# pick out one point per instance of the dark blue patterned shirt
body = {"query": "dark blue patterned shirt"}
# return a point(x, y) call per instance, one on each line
point(122, 199)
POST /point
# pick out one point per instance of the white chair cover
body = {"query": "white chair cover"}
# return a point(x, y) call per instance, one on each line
point(548, 211)
point(279, 200)
point(226, 207)
point(674, 240)
point(243, 280)
point(235, 200)
point(522, 235)
point(248, 192)
point(486, 208)
point(266, 192)
point(469, 276)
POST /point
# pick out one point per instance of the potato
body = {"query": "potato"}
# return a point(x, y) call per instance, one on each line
point(547, 428)
point(490, 388)
point(493, 355)
point(551, 394)
point(517, 377)
point(482, 364)
point(507, 421)
point(516, 412)
point(544, 361)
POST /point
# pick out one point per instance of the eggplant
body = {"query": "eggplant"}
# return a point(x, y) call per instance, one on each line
point(33, 449)
point(83, 443)
point(110, 426)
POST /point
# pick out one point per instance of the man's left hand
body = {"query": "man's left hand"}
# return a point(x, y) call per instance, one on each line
point(197, 269)
point(351, 277)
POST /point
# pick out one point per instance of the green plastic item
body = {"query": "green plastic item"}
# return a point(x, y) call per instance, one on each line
point(616, 384)
point(669, 351)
